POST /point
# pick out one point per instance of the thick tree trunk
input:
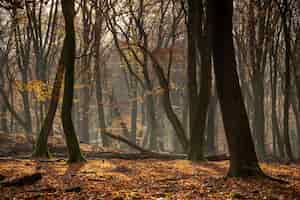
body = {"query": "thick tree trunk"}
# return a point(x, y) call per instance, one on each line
point(69, 62)
point(243, 160)
point(194, 20)
point(198, 117)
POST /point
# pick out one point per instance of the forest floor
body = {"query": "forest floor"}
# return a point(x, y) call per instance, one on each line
point(118, 179)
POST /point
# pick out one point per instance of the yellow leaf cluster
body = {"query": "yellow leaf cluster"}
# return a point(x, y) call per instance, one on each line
point(39, 88)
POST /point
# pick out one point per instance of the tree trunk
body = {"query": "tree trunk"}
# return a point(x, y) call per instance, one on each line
point(41, 148)
point(151, 123)
point(277, 140)
point(194, 20)
point(243, 160)
point(297, 118)
point(286, 32)
point(133, 112)
point(211, 125)
point(98, 76)
point(69, 62)
point(198, 117)
point(259, 116)
point(3, 110)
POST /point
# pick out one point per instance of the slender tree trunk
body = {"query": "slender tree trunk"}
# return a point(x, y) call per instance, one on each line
point(134, 112)
point(41, 148)
point(69, 62)
point(243, 160)
point(3, 112)
point(211, 125)
point(297, 118)
point(287, 39)
point(277, 140)
point(99, 97)
point(259, 116)
point(152, 123)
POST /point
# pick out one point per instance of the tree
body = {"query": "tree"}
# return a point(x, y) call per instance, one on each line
point(198, 95)
point(68, 60)
point(286, 23)
point(41, 148)
point(243, 160)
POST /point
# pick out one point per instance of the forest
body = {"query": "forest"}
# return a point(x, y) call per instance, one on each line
point(150, 99)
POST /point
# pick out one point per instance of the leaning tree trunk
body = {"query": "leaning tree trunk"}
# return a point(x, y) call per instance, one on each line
point(243, 160)
point(69, 62)
point(41, 148)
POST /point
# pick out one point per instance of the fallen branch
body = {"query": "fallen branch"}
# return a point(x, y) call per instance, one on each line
point(220, 157)
point(135, 156)
point(52, 190)
point(25, 180)
point(49, 190)
point(126, 141)
point(2, 177)
point(73, 189)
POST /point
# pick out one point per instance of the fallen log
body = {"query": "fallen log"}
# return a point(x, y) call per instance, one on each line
point(49, 190)
point(221, 157)
point(136, 156)
point(25, 180)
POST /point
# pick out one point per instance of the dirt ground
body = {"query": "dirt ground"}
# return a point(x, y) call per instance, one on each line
point(145, 179)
